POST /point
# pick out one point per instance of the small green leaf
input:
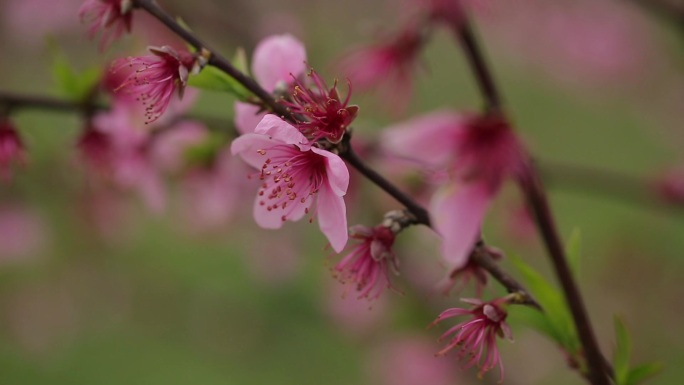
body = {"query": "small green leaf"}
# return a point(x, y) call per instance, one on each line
point(643, 372)
point(560, 326)
point(623, 350)
point(71, 84)
point(573, 249)
point(213, 79)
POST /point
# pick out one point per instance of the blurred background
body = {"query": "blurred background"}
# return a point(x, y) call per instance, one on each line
point(103, 289)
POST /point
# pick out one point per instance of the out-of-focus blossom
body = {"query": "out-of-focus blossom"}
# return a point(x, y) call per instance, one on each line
point(96, 149)
point(671, 186)
point(583, 42)
point(408, 360)
point(369, 263)
point(212, 193)
point(325, 115)
point(170, 147)
point(22, 233)
point(12, 151)
point(460, 277)
point(388, 66)
point(132, 166)
point(293, 175)
point(475, 339)
point(28, 22)
point(276, 60)
point(157, 77)
point(109, 18)
point(357, 318)
point(476, 154)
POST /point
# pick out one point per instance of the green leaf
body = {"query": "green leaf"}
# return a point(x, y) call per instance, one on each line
point(643, 372)
point(76, 86)
point(559, 325)
point(623, 350)
point(213, 79)
point(573, 249)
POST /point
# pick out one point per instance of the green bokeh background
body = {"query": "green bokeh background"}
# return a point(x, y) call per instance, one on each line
point(160, 306)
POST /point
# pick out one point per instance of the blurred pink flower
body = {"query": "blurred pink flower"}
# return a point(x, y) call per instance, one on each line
point(357, 318)
point(294, 174)
point(212, 193)
point(170, 147)
point(670, 186)
point(109, 18)
point(583, 42)
point(12, 151)
point(475, 338)
point(276, 60)
point(95, 148)
point(369, 263)
point(157, 77)
point(460, 277)
point(22, 233)
point(476, 153)
point(408, 360)
point(388, 66)
point(132, 164)
point(30, 21)
point(326, 116)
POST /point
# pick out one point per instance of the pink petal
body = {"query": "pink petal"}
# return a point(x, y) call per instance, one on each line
point(458, 216)
point(275, 58)
point(332, 217)
point(247, 116)
point(274, 219)
point(281, 130)
point(336, 170)
point(430, 139)
point(248, 145)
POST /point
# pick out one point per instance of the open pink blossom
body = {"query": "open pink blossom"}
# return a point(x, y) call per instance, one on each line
point(389, 65)
point(275, 60)
point(369, 263)
point(157, 78)
point(474, 340)
point(294, 175)
point(12, 150)
point(110, 18)
point(476, 154)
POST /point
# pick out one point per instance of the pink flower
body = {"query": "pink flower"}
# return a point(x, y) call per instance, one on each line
point(369, 263)
point(670, 186)
point(294, 174)
point(96, 149)
point(325, 115)
point(408, 360)
point(476, 154)
point(157, 78)
point(389, 65)
point(111, 18)
point(460, 277)
point(275, 61)
point(475, 338)
point(12, 150)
